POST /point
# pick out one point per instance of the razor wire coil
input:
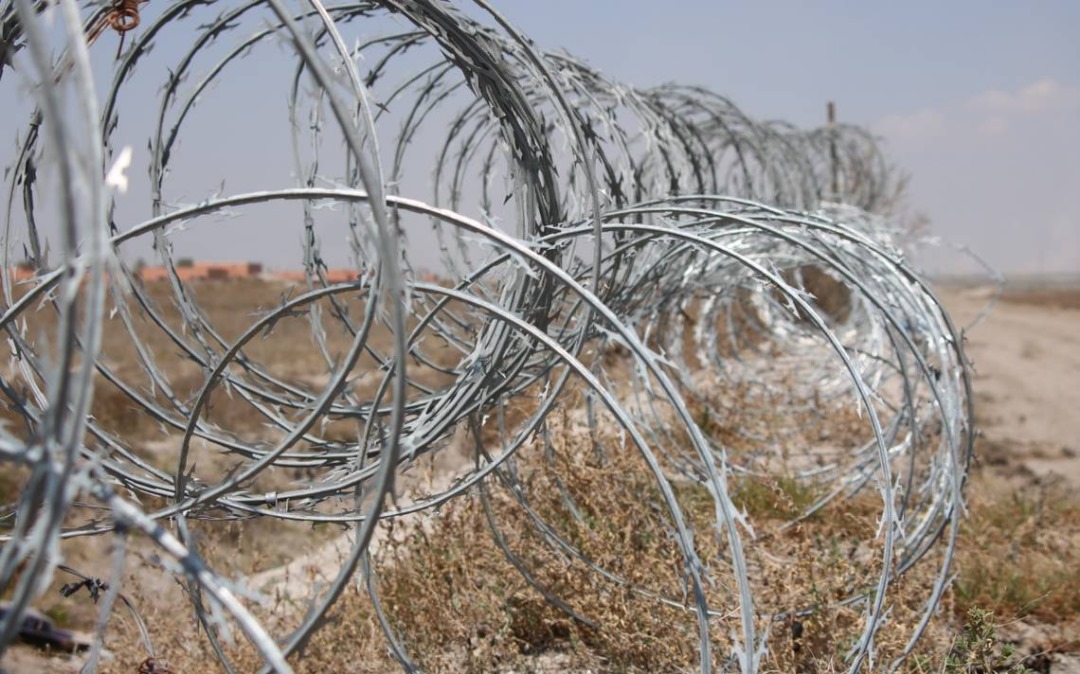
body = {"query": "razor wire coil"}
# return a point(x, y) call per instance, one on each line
point(608, 236)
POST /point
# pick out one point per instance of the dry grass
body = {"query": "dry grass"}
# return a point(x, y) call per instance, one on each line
point(1049, 298)
point(462, 606)
point(1018, 555)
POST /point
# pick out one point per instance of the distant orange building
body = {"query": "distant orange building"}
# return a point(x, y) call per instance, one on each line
point(204, 271)
point(340, 275)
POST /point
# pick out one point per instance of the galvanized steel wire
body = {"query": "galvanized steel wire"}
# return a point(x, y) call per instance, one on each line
point(610, 236)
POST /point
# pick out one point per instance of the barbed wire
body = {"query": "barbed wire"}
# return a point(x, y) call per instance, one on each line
point(616, 242)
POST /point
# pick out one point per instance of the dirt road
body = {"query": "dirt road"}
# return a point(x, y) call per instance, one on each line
point(1027, 381)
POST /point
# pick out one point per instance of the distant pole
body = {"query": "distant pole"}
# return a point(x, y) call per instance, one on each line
point(834, 167)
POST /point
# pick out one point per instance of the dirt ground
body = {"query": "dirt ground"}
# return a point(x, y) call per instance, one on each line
point(1026, 357)
point(1026, 370)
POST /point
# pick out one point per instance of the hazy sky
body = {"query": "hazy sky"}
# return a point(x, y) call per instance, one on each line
point(979, 102)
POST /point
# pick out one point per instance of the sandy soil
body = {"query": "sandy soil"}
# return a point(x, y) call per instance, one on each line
point(1027, 381)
